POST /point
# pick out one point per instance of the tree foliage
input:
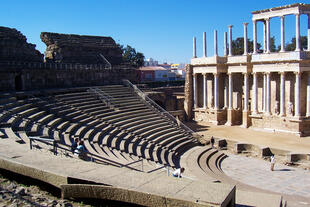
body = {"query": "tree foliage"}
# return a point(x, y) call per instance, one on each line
point(238, 46)
point(131, 56)
point(292, 45)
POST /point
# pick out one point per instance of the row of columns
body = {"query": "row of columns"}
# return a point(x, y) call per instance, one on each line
point(266, 39)
point(266, 93)
point(266, 33)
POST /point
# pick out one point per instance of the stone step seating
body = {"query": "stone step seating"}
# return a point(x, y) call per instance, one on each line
point(134, 126)
point(210, 162)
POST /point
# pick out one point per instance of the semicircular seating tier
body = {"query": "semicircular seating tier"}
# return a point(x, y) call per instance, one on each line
point(116, 125)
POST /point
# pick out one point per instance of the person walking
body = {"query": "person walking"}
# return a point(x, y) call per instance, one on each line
point(212, 142)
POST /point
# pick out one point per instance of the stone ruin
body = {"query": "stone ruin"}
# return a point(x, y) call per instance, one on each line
point(71, 61)
point(69, 48)
point(14, 47)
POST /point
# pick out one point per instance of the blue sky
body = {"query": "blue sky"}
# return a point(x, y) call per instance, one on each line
point(161, 29)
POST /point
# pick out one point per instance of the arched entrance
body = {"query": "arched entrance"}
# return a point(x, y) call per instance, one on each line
point(18, 83)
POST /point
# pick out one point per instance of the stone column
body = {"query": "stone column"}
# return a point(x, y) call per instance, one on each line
point(308, 32)
point(230, 112)
point(225, 93)
point(254, 93)
point(282, 94)
point(245, 38)
point(245, 113)
point(282, 35)
point(264, 92)
point(216, 92)
point(268, 35)
point(230, 90)
point(195, 90)
point(230, 40)
point(215, 43)
point(225, 43)
point(264, 35)
point(297, 95)
point(204, 90)
point(308, 96)
point(297, 33)
point(204, 45)
point(254, 37)
point(194, 47)
point(246, 92)
point(268, 97)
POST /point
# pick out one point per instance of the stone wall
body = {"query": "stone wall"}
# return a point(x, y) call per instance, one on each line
point(14, 47)
point(46, 78)
point(69, 48)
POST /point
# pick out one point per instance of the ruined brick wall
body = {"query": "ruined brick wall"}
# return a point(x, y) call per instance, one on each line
point(14, 47)
point(69, 48)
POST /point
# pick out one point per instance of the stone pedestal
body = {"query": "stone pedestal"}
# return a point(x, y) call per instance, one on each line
point(230, 117)
point(245, 119)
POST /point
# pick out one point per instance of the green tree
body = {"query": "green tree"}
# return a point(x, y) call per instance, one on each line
point(131, 56)
point(238, 46)
point(292, 45)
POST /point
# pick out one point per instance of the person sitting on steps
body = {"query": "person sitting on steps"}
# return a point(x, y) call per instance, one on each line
point(178, 172)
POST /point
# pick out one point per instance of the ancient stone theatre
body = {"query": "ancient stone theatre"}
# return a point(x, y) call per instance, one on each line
point(263, 89)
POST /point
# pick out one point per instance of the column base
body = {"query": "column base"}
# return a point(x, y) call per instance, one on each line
point(245, 119)
point(230, 115)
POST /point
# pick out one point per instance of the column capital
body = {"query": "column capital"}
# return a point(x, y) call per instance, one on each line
point(281, 73)
point(204, 74)
point(267, 19)
point(216, 74)
point(282, 17)
point(297, 73)
point(230, 26)
point(297, 15)
point(245, 23)
point(254, 73)
point(254, 21)
point(245, 73)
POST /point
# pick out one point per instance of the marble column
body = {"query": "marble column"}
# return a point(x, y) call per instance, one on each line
point(215, 43)
point(282, 35)
point(195, 90)
point(264, 36)
point(308, 96)
point(216, 91)
point(254, 93)
point(268, 97)
point(254, 37)
point(225, 43)
point(246, 92)
point(282, 94)
point(245, 38)
point(264, 92)
point(204, 90)
point(297, 95)
point(194, 47)
point(230, 90)
point(268, 35)
point(225, 92)
point(308, 32)
point(230, 40)
point(204, 45)
point(297, 33)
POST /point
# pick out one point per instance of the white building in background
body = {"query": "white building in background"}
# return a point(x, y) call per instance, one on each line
point(150, 62)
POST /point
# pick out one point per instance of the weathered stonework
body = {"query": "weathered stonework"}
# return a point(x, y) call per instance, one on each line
point(14, 47)
point(69, 48)
point(73, 61)
point(263, 90)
